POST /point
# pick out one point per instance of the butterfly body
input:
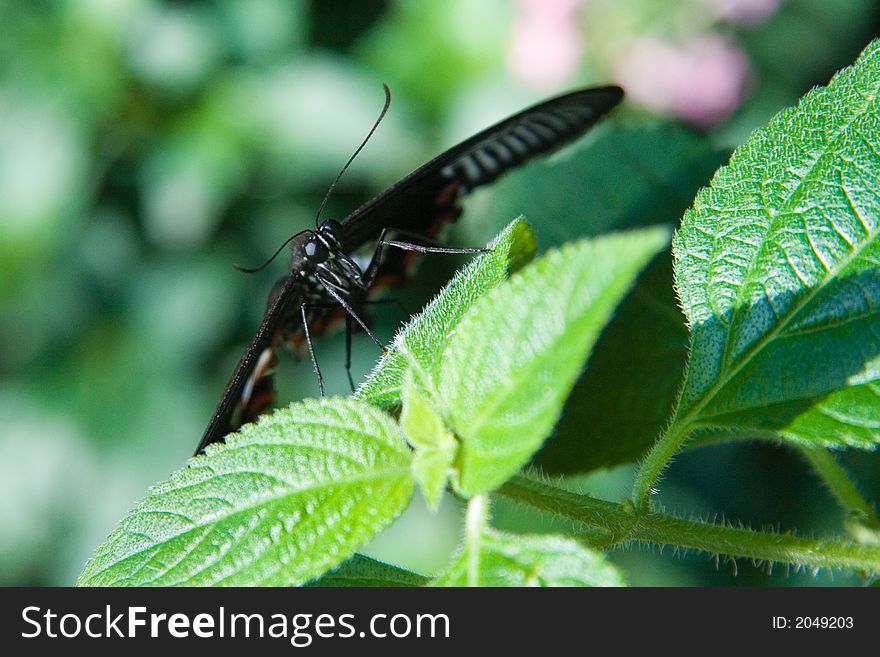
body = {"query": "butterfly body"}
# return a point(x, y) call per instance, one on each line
point(325, 274)
point(320, 277)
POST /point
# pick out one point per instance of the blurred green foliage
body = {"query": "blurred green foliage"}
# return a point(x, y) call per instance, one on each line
point(145, 146)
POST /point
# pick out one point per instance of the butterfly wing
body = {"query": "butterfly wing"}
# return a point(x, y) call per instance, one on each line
point(428, 198)
point(253, 370)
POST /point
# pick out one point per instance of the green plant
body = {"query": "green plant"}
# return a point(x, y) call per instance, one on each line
point(776, 268)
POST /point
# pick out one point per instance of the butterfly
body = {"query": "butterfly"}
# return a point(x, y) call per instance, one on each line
point(327, 280)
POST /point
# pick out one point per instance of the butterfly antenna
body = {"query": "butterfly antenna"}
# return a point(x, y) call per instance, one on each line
point(274, 255)
point(359, 149)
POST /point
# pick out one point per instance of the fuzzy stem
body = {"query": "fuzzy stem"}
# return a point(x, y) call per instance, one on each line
point(626, 523)
point(653, 465)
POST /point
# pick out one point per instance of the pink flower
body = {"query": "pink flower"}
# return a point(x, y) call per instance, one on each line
point(701, 81)
point(546, 43)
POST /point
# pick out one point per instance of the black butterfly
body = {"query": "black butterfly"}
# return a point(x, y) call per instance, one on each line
point(323, 274)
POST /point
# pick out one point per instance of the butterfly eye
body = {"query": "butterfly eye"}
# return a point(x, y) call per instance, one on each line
point(316, 251)
point(332, 229)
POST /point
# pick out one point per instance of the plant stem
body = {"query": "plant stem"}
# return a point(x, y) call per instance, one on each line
point(474, 525)
point(841, 486)
point(626, 523)
point(655, 462)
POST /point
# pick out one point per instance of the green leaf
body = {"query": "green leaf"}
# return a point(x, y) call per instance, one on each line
point(776, 267)
point(627, 176)
point(423, 337)
point(279, 503)
point(640, 355)
point(510, 560)
point(515, 356)
point(434, 445)
point(364, 571)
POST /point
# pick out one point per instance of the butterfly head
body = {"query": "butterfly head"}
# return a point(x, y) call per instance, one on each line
point(323, 243)
point(332, 230)
point(319, 253)
point(315, 250)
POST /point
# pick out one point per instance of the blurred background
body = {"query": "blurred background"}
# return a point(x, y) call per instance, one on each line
point(146, 146)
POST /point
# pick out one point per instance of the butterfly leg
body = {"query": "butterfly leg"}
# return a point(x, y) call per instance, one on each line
point(351, 312)
point(348, 331)
point(430, 247)
point(305, 320)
